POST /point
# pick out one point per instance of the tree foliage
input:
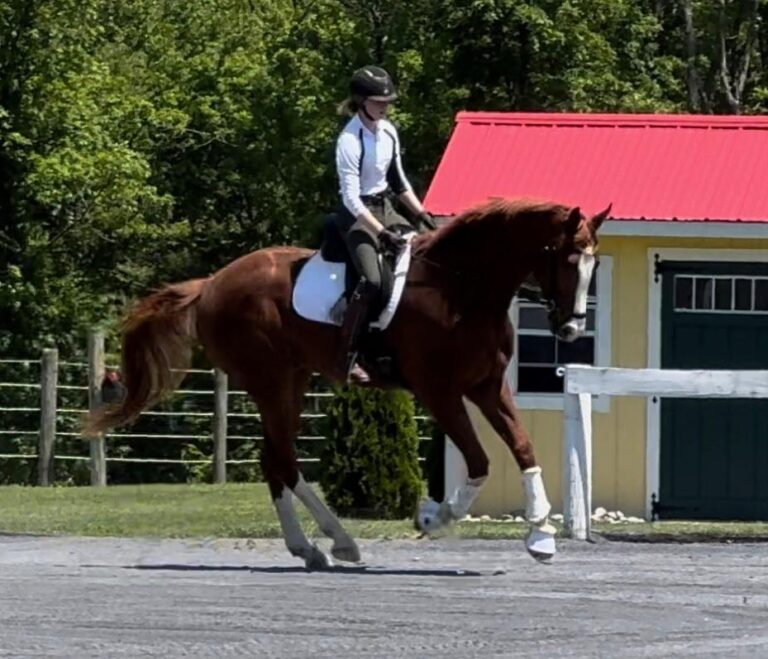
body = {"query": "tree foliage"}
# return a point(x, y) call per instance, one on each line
point(153, 140)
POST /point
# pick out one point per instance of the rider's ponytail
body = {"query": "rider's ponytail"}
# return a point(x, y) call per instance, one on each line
point(348, 107)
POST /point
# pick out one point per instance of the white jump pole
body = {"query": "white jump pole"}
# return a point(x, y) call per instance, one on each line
point(581, 382)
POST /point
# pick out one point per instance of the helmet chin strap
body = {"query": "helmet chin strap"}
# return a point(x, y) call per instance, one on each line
point(367, 114)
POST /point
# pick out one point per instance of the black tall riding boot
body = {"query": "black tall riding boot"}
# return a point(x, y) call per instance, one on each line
point(355, 320)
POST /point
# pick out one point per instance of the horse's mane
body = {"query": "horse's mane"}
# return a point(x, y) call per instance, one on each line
point(496, 210)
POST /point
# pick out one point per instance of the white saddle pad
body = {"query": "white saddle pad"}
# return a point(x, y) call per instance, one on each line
point(321, 283)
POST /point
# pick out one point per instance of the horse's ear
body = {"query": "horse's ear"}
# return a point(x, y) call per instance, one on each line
point(598, 219)
point(572, 221)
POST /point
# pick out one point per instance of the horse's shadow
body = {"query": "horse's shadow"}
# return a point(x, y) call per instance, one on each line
point(365, 570)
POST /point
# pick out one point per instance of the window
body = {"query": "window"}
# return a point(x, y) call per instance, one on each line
point(721, 294)
point(538, 354)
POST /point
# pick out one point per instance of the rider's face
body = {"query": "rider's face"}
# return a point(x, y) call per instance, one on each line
point(377, 109)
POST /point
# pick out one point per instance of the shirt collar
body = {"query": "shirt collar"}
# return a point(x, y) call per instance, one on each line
point(366, 129)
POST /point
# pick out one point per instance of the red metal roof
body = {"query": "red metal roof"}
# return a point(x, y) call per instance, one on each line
point(654, 167)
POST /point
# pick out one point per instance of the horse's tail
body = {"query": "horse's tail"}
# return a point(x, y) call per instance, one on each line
point(157, 343)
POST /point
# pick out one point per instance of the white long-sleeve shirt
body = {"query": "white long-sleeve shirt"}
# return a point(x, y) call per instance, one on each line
point(367, 163)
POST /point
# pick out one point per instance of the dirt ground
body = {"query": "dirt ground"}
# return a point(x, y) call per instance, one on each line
point(87, 597)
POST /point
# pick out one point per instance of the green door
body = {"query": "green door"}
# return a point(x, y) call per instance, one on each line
point(714, 452)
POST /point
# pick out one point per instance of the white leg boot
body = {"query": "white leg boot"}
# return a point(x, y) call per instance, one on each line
point(540, 541)
point(433, 516)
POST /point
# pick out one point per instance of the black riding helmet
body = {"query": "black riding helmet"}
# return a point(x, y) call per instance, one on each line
point(372, 82)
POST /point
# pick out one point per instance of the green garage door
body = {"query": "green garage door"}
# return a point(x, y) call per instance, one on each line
point(714, 452)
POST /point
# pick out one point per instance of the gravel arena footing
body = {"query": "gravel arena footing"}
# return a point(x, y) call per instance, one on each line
point(450, 598)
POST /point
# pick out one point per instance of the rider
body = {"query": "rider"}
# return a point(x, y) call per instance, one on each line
point(369, 169)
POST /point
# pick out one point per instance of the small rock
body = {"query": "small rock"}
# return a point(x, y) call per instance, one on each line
point(557, 517)
point(620, 515)
point(519, 518)
point(485, 518)
point(635, 520)
point(599, 512)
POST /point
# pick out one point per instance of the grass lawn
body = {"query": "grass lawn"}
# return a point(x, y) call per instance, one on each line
point(245, 511)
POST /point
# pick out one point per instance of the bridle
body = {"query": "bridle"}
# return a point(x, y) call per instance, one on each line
point(527, 291)
point(533, 293)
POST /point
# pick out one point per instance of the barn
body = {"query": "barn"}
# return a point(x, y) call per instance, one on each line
point(683, 283)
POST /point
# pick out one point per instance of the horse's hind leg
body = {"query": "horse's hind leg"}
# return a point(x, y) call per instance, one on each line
point(282, 497)
point(281, 417)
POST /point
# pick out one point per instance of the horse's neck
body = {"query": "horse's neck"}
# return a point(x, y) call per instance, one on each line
point(488, 266)
point(480, 286)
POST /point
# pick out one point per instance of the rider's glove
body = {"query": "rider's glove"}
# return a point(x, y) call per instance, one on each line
point(391, 240)
point(426, 219)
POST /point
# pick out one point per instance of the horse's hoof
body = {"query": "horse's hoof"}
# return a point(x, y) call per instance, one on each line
point(317, 560)
point(430, 517)
point(347, 552)
point(540, 543)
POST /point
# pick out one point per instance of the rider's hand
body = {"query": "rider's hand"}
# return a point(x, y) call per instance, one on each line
point(426, 219)
point(391, 240)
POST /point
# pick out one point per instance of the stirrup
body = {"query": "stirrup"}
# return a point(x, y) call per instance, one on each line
point(358, 375)
point(353, 372)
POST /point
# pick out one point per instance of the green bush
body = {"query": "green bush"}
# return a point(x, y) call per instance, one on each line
point(369, 467)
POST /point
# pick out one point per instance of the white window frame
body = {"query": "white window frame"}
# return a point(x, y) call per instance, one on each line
point(752, 311)
point(603, 328)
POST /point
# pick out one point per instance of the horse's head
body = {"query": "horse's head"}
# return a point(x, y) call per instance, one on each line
point(564, 269)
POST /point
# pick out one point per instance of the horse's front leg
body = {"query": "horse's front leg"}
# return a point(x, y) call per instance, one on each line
point(494, 399)
point(451, 415)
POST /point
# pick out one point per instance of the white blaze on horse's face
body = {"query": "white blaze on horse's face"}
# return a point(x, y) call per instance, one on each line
point(576, 325)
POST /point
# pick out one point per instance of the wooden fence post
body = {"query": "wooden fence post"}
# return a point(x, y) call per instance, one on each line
point(220, 396)
point(48, 381)
point(95, 377)
point(577, 465)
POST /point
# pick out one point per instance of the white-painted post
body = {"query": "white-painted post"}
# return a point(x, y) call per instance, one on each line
point(577, 465)
point(48, 380)
point(96, 370)
point(581, 382)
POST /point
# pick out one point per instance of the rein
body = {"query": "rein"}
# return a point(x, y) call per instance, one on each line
point(526, 291)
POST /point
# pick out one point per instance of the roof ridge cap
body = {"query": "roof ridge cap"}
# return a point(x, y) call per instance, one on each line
point(615, 120)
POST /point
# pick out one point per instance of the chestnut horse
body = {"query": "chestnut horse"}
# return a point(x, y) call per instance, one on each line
point(450, 339)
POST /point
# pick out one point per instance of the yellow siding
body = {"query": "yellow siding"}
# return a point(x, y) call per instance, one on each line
point(618, 435)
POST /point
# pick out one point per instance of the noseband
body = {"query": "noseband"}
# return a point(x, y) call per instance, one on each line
point(534, 294)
